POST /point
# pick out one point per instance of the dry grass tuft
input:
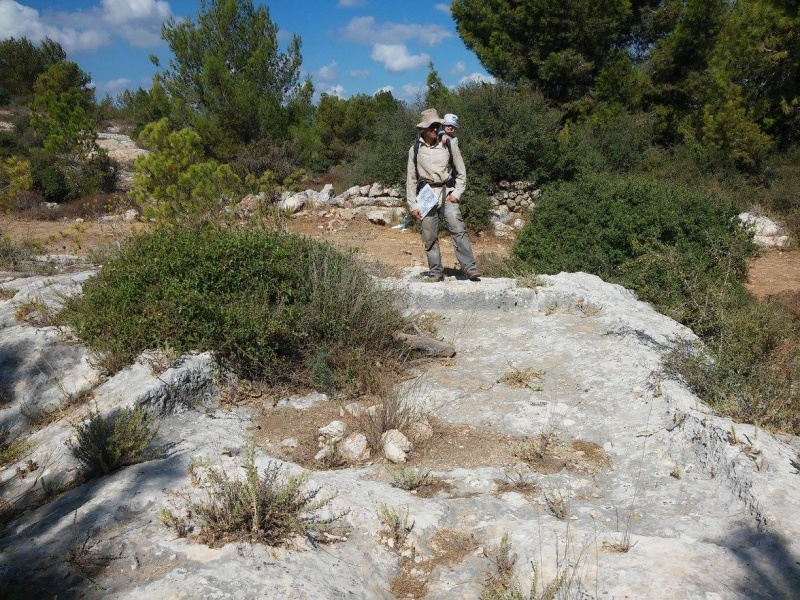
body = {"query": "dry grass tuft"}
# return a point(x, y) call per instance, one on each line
point(523, 378)
point(267, 508)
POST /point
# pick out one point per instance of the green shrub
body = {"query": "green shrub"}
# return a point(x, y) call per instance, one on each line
point(105, 444)
point(476, 205)
point(176, 182)
point(600, 225)
point(267, 508)
point(507, 133)
point(267, 303)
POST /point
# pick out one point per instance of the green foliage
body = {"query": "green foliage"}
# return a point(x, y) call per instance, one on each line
point(621, 229)
point(15, 178)
point(105, 444)
point(265, 302)
point(507, 133)
point(731, 138)
point(66, 162)
point(384, 157)
point(228, 80)
point(557, 45)
point(268, 508)
point(476, 205)
point(143, 106)
point(21, 63)
point(437, 93)
point(175, 181)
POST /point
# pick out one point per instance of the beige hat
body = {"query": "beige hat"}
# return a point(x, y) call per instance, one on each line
point(429, 117)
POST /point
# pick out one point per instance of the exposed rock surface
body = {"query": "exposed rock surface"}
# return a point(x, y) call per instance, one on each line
point(707, 515)
point(766, 233)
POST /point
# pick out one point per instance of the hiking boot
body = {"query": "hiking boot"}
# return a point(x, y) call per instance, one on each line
point(434, 276)
point(473, 274)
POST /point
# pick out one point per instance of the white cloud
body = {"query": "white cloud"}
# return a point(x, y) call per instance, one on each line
point(442, 7)
point(412, 91)
point(349, 3)
point(386, 88)
point(136, 21)
point(365, 30)
point(359, 73)
point(476, 78)
point(396, 58)
point(332, 90)
point(114, 86)
point(459, 68)
point(328, 72)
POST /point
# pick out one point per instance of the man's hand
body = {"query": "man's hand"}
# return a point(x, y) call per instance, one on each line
point(417, 214)
point(451, 198)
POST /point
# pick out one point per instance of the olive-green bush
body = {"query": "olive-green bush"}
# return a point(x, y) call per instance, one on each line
point(605, 225)
point(271, 305)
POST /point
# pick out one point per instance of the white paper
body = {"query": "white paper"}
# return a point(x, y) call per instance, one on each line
point(427, 199)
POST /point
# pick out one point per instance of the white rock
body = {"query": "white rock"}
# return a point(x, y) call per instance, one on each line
point(500, 214)
point(130, 215)
point(379, 217)
point(355, 448)
point(394, 453)
point(766, 233)
point(292, 203)
point(332, 433)
point(396, 437)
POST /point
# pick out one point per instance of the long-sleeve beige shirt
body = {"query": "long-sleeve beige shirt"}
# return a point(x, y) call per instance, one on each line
point(433, 165)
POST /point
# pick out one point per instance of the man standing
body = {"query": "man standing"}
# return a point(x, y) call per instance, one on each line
point(431, 161)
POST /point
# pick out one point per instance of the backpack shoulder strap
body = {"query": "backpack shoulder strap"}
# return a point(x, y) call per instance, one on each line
point(416, 151)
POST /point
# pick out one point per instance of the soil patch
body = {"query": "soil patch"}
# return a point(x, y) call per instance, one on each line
point(774, 272)
point(291, 434)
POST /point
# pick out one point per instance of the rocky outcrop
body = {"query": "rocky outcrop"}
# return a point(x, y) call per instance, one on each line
point(655, 493)
point(766, 233)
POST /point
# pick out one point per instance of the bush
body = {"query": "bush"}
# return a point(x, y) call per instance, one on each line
point(266, 508)
point(105, 444)
point(508, 133)
point(265, 302)
point(603, 225)
point(175, 182)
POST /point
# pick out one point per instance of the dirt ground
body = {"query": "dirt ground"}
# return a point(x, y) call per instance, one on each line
point(772, 272)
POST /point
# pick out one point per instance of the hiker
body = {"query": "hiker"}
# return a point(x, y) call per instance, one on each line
point(433, 162)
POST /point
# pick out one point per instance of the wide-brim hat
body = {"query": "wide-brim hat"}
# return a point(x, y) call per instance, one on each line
point(429, 117)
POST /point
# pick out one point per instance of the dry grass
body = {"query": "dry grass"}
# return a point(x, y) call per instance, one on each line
point(395, 526)
point(523, 378)
point(267, 508)
point(394, 410)
point(87, 561)
point(450, 546)
point(521, 483)
point(12, 450)
point(419, 481)
point(556, 503)
point(36, 313)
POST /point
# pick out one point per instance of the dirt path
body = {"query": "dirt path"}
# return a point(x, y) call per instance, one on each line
point(771, 273)
point(775, 271)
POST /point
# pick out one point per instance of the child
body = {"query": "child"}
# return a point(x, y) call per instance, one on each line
point(448, 130)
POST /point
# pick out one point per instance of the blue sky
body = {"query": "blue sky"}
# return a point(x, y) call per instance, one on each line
point(349, 46)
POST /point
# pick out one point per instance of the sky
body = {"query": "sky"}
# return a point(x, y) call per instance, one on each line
point(348, 46)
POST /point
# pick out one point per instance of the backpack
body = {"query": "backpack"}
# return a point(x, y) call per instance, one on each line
point(451, 182)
